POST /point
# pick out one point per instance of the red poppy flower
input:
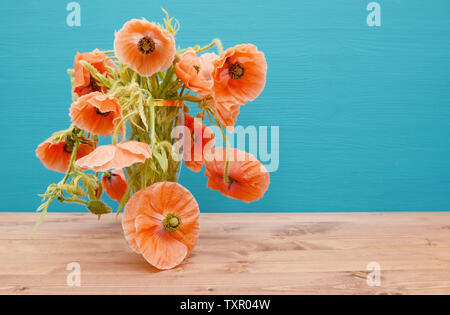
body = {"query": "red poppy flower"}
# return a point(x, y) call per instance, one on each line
point(108, 157)
point(197, 143)
point(239, 75)
point(161, 223)
point(83, 82)
point(195, 72)
point(56, 156)
point(248, 178)
point(97, 113)
point(115, 184)
point(145, 47)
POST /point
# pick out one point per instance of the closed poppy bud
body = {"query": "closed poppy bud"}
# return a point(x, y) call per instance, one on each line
point(115, 184)
point(98, 207)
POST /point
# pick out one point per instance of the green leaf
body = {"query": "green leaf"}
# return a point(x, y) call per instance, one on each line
point(142, 113)
point(98, 207)
point(161, 157)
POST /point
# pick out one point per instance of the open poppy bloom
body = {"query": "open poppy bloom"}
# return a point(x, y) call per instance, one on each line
point(115, 184)
point(56, 156)
point(197, 143)
point(161, 223)
point(83, 82)
point(239, 75)
point(248, 178)
point(145, 47)
point(108, 157)
point(97, 113)
point(195, 72)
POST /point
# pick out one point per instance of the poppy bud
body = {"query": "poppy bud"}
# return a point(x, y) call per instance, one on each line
point(98, 207)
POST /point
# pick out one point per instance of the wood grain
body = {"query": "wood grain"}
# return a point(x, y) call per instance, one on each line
point(323, 253)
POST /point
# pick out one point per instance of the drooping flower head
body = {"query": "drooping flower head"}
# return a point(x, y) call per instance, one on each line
point(161, 223)
point(248, 178)
point(115, 184)
point(109, 157)
point(56, 156)
point(145, 47)
point(83, 82)
point(195, 72)
point(97, 113)
point(226, 113)
point(197, 143)
point(239, 75)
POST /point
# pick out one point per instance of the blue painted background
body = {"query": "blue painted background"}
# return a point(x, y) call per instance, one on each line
point(364, 113)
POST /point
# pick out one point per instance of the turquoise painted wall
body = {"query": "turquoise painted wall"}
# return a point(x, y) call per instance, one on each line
point(364, 113)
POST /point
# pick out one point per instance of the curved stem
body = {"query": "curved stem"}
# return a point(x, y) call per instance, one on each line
point(80, 201)
point(116, 130)
point(72, 161)
point(216, 42)
point(124, 200)
point(217, 124)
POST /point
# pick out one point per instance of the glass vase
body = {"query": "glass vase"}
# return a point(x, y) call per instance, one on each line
point(160, 124)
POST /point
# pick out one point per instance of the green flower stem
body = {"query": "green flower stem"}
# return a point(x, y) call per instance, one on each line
point(167, 79)
point(182, 89)
point(217, 124)
point(97, 75)
point(124, 200)
point(80, 201)
point(216, 42)
point(152, 124)
point(72, 160)
point(154, 86)
point(116, 130)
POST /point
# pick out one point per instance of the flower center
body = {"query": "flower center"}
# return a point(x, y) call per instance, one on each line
point(230, 182)
point(172, 222)
point(236, 70)
point(94, 85)
point(197, 68)
point(98, 112)
point(67, 148)
point(146, 45)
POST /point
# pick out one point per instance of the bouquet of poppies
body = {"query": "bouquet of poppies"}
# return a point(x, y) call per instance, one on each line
point(139, 96)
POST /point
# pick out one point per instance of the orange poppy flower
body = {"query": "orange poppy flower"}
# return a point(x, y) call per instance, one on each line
point(97, 113)
point(207, 64)
point(249, 179)
point(83, 82)
point(115, 184)
point(239, 75)
point(195, 72)
point(145, 47)
point(161, 223)
point(108, 157)
point(199, 141)
point(56, 156)
point(226, 113)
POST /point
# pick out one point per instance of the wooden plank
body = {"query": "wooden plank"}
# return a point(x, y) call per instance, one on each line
point(301, 253)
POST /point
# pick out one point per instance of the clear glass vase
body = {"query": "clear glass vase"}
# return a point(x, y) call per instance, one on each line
point(160, 124)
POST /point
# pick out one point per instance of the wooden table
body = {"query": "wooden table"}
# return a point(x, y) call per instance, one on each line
point(301, 253)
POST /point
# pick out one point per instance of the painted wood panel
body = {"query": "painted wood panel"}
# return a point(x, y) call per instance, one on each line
point(363, 111)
